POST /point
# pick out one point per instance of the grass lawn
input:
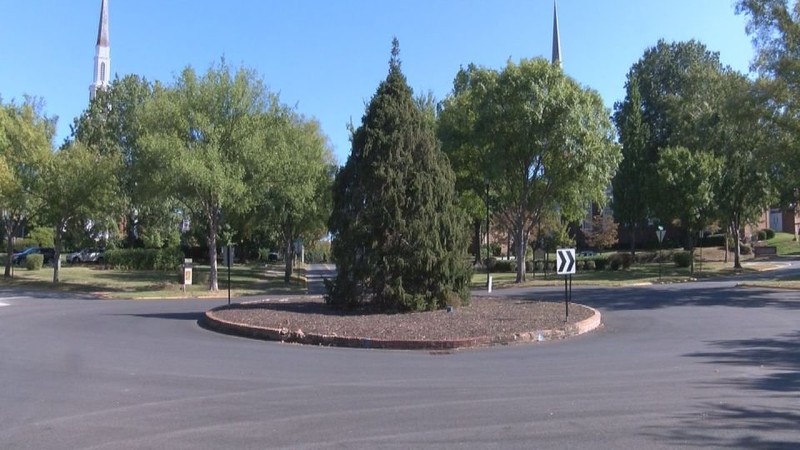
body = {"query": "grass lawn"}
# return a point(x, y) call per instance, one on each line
point(245, 280)
point(711, 265)
point(785, 244)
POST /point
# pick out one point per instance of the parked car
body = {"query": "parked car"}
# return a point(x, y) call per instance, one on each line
point(20, 257)
point(587, 254)
point(87, 255)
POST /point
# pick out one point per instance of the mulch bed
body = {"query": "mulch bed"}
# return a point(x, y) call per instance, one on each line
point(483, 317)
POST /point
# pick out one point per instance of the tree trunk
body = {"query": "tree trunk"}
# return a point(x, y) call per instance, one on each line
point(476, 239)
point(519, 245)
point(632, 229)
point(288, 259)
point(212, 255)
point(57, 243)
point(9, 249)
point(737, 249)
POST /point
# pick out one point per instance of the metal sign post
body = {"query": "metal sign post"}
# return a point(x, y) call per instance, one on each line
point(660, 233)
point(229, 263)
point(565, 265)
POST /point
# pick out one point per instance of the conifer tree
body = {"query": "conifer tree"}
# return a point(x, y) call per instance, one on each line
point(399, 239)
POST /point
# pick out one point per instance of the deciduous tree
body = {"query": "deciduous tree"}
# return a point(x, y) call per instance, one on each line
point(77, 183)
point(198, 138)
point(549, 144)
point(26, 135)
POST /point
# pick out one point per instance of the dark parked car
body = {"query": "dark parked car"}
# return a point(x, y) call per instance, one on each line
point(20, 257)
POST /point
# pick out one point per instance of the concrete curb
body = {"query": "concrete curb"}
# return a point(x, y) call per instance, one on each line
point(214, 323)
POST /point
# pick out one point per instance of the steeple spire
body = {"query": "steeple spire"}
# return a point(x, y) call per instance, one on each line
point(556, 37)
point(102, 55)
point(102, 29)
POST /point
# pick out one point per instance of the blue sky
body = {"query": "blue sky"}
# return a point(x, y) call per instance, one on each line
point(326, 57)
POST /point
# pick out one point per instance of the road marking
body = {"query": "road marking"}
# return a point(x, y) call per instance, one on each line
point(4, 304)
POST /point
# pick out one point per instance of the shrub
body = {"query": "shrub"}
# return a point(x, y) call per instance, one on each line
point(769, 233)
point(34, 261)
point(490, 263)
point(746, 249)
point(505, 266)
point(588, 264)
point(538, 265)
point(682, 259)
point(762, 235)
point(600, 263)
point(714, 240)
point(529, 266)
point(620, 260)
point(166, 259)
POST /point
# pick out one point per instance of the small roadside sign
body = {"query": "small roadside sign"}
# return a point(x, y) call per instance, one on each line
point(565, 261)
point(187, 272)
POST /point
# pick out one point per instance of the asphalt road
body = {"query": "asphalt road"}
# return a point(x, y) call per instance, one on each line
point(686, 365)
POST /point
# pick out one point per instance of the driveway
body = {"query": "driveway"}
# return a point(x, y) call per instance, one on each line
point(702, 364)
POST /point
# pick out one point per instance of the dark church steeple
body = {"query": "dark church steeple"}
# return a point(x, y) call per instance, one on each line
point(556, 37)
point(102, 56)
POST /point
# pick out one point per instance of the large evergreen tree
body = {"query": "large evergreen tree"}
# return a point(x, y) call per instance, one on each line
point(398, 236)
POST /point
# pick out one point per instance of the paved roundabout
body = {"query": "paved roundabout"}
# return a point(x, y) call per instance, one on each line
point(704, 364)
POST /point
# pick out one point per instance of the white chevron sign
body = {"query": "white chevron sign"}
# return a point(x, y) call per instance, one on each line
point(565, 261)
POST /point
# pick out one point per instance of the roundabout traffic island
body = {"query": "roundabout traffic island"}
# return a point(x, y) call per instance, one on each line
point(486, 321)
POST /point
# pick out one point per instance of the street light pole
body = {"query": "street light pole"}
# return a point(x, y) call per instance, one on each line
point(488, 250)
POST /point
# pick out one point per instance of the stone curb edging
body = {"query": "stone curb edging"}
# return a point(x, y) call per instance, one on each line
point(211, 322)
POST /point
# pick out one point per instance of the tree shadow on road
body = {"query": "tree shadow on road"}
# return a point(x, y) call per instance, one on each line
point(193, 316)
point(728, 426)
point(770, 419)
point(654, 297)
point(779, 357)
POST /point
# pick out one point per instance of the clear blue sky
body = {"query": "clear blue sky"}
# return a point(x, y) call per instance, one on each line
point(326, 57)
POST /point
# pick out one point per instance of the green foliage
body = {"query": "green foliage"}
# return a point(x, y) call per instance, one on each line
point(165, 259)
point(112, 126)
point(21, 244)
point(682, 259)
point(41, 236)
point(768, 233)
point(601, 262)
point(775, 28)
point(34, 261)
point(633, 179)
point(540, 140)
point(589, 264)
point(78, 185)
point(25, 146)
point(398, 235)
point(687, 182)
point(746, 249)
point(200, 141)
point(762, 235)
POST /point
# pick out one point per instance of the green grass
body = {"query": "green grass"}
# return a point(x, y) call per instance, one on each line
point(638, 273)
point(785, 244)
point(107, 283)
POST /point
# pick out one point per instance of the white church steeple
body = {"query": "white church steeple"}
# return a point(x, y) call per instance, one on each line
point(102, 56)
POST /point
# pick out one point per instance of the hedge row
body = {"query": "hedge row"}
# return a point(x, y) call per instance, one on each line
point(166, 259)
